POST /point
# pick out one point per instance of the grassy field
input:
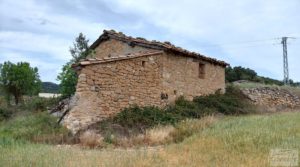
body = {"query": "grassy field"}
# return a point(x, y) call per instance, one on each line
point(230, 141)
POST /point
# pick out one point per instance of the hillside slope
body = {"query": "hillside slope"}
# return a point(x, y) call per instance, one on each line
point(49, 87)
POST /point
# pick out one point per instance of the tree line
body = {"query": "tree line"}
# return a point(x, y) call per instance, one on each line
point(240, 73)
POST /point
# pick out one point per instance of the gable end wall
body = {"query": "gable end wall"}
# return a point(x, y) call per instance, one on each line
point(181, 77)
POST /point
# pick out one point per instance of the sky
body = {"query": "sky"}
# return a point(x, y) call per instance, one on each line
point(243, 33)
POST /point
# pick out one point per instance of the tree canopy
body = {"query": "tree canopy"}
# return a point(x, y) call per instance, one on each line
point(241, 73)
point(68, 77)
point(19, 79)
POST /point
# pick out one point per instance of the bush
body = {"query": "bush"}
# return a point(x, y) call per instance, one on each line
point(144, 117)
point(231, 103)
point(5, 114)
point(188, 109)
point(38, 103)
point(9, 141)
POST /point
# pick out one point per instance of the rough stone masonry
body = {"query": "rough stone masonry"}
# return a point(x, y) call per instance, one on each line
point(128, 71)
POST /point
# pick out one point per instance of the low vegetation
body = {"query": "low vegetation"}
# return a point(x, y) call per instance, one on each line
point(136, 126)
point(40, 127)
point(231, 141)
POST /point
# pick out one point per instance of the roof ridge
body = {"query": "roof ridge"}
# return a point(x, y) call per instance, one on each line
point(167, 46)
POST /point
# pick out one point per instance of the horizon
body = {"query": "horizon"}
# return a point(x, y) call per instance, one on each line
point(246, 33)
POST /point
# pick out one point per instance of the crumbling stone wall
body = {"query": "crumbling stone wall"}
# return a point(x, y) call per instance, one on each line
point(105, 89)
point(274, 98)
point(181, 77)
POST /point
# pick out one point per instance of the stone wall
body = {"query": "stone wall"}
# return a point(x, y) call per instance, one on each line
point(273, 98)
point(105, 89)
point(114, 47)
point(181, 77)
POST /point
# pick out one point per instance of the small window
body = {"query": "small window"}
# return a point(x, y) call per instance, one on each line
point(143, 63)
point(201, 71)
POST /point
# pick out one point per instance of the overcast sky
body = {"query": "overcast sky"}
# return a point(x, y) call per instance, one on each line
point(240, 32)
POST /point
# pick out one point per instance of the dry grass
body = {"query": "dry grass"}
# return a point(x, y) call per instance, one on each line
point(91, 139)
point(159, 135)
point(189, 127)
point(152, 137)
point(232, 141)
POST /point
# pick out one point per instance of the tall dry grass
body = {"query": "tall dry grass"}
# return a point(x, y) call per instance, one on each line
point(232, 141)
point(91, 139)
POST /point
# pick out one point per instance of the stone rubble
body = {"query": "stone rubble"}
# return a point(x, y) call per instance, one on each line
point(272, 97)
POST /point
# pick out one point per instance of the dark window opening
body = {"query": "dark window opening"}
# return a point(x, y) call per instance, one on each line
point(143, 63)
point(164, 96)
point(201, 71)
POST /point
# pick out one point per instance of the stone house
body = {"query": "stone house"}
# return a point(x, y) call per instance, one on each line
point(126, 71)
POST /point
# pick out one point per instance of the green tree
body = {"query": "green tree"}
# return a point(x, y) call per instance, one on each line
point(80, 49)
point(68, 77)
point(240, 73)
point(19, 79)
point(68, 80)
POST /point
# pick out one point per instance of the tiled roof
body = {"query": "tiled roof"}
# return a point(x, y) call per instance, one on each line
point(115, 58)
point(166, 46)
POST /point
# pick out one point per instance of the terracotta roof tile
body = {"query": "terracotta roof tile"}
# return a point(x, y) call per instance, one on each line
point(166, 46)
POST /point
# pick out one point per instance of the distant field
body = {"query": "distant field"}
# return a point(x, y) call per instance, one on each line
point(231, 141)
point(49, 95)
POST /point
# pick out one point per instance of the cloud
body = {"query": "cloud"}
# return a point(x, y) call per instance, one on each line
point(30, 32)
point(194, 24)
point(30, 42)
point(221, 29)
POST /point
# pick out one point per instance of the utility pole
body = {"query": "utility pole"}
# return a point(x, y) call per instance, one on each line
point(286, 79)
point(285, 61)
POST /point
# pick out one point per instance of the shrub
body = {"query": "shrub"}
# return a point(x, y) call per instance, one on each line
point(9, 141)
point(188, 109)
point(144, 117)
point(232, 102)
point(5, 114)
point(38, 103)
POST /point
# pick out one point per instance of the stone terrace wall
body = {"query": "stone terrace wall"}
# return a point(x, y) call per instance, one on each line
point(275, 98)
point(105, 89)
point(181, 77)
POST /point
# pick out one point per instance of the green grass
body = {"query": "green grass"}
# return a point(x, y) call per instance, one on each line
point(35, 127)
point(231, 141)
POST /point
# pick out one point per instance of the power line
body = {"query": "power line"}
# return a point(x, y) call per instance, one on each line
point(240, 42)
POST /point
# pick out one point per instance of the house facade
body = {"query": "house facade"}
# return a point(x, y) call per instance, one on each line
point(128, 71)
